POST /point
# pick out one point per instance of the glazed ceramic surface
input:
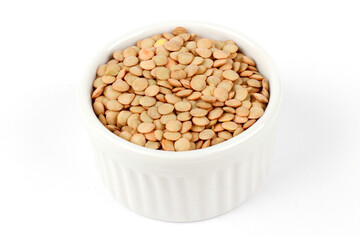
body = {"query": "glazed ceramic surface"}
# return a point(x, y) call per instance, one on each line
point(184, 186)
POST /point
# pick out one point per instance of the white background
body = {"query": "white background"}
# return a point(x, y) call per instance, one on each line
point(49, 187)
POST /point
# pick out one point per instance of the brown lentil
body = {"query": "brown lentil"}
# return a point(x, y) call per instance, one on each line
point(172, 136)
point(138, 139)
point(166, 108)
point(203, 52)
point(152, 90)
point(162, 73)
point(183, 116)
point(182, 106)
point(182, 144)
point(216, 113)
point(185, 58)
point(230, 126)
point(224, 135)
point(131, 61)
point(168, 117)
point(147, 101)
point(260, 97)
point(206, 134)
point(226, 117)
point(139, 84)
point(200, 121)
point(249, 123)
point(198, 82)
point(146, 54)
point(178, 92)
point(152, 145)
point(204, 43)
point(221, 94)
point(198, 112)
point(173, 126)
point(256, 112)
point(120, 85)
point(114, 105)
point(145, 127)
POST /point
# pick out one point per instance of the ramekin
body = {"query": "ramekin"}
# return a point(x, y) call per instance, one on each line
point(192, 185)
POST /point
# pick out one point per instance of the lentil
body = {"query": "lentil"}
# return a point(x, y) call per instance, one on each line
point(145, 127)
point(178, 92)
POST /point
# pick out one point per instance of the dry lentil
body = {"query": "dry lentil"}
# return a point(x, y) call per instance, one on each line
point(147, 101)
point(173, 126)
point(146, 54)
point(178, 92)
point(165, 108)
point(131, 61)
point(183, 116)
point(221, 94)
point(98, 108)
point(172, 45)
point(224, 135)
point(120, 85)
point(206, 134)
point(110, 93)
point(260, 97)
point(111, 117)
point(254, 83)
point(162, 73)
point(152, 145)
point(232, 48)
point(215, 113)
point(185, 58)
point(139, 84)
point(200, 121)
point(249, 123)
point(182, 144)
point(172, 136)
point(255, 112)
point(182, 106)
point(198, 112)
point(112, 69)
point(145, 127)
point(230, 74)
point(114, 105)
point(230, 126)
point(219, 54)
point(203, 52)
point(138, 139)
point(198, 82)
point(168, 117)
point(233, 103)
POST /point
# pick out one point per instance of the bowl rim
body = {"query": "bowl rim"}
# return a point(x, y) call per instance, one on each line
point(89, 117)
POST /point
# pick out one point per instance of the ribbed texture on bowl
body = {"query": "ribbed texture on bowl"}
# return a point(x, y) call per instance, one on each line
point(192, 185)
point(189, 197)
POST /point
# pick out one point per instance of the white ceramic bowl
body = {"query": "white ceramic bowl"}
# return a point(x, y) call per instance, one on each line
point(184, 186)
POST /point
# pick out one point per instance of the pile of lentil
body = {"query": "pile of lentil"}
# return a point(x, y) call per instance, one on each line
point(178, 92)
